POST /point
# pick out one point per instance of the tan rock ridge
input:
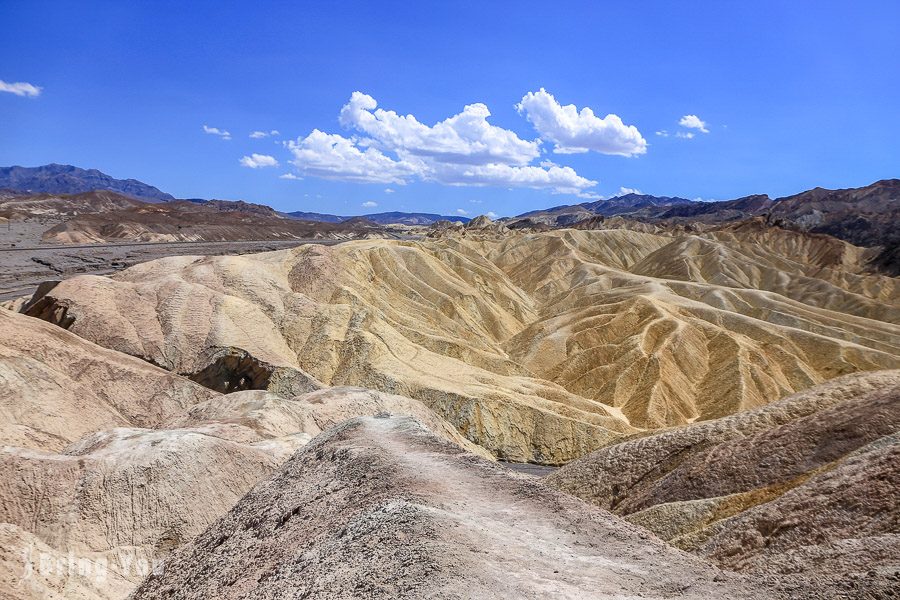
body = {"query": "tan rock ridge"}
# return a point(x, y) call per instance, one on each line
point(102, 217)
point(804, 487)
point(539, 347)
point(126, 498)
point(381, 508)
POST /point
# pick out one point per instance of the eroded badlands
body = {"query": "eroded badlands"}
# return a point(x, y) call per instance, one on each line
point(324, 421)
point(538, 347)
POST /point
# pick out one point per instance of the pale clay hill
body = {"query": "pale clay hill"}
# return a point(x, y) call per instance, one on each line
point(538, 347)
point(56, 387)
point(118, 462)
point(378, 508)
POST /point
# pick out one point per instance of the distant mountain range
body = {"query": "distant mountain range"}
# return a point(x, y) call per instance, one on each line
point(568, 214)
point(865, 216)
point(66, 179)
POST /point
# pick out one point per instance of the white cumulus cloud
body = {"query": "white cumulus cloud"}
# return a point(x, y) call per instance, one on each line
point(388, 190)
point(563, 180)
point(258, 161)
point(257, 135)
point(624, 191)
point(216, 131)
point(289, 176)
point(332, 156)
point(370, 204)
point(20, 88)
point(687, 135)
point(574, 131)
point(461, 212)
point(464, 149)
point(491, 214)
point(693, 122)
point(465, 138)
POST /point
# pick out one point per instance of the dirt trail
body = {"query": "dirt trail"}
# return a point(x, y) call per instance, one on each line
point(379, 507)
point(524, 540)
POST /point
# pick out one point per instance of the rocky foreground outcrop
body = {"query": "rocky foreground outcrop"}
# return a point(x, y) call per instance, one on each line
point(108, 463)
point(381, 508)
point(805, 488)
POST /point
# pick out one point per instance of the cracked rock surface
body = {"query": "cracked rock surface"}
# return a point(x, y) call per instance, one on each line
point(381, 508)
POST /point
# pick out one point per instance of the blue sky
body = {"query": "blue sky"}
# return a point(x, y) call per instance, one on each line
point(780, 97)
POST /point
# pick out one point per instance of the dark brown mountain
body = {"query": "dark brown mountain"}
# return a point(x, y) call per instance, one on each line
point(716, 212)
point(866, 216)
point(630, 202)
point(184, 221)
point(24, 206)
point(566, 215)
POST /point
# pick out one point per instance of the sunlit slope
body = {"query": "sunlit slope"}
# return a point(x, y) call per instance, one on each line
point(539, 347)
point(803, 487)
point(56, 387)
